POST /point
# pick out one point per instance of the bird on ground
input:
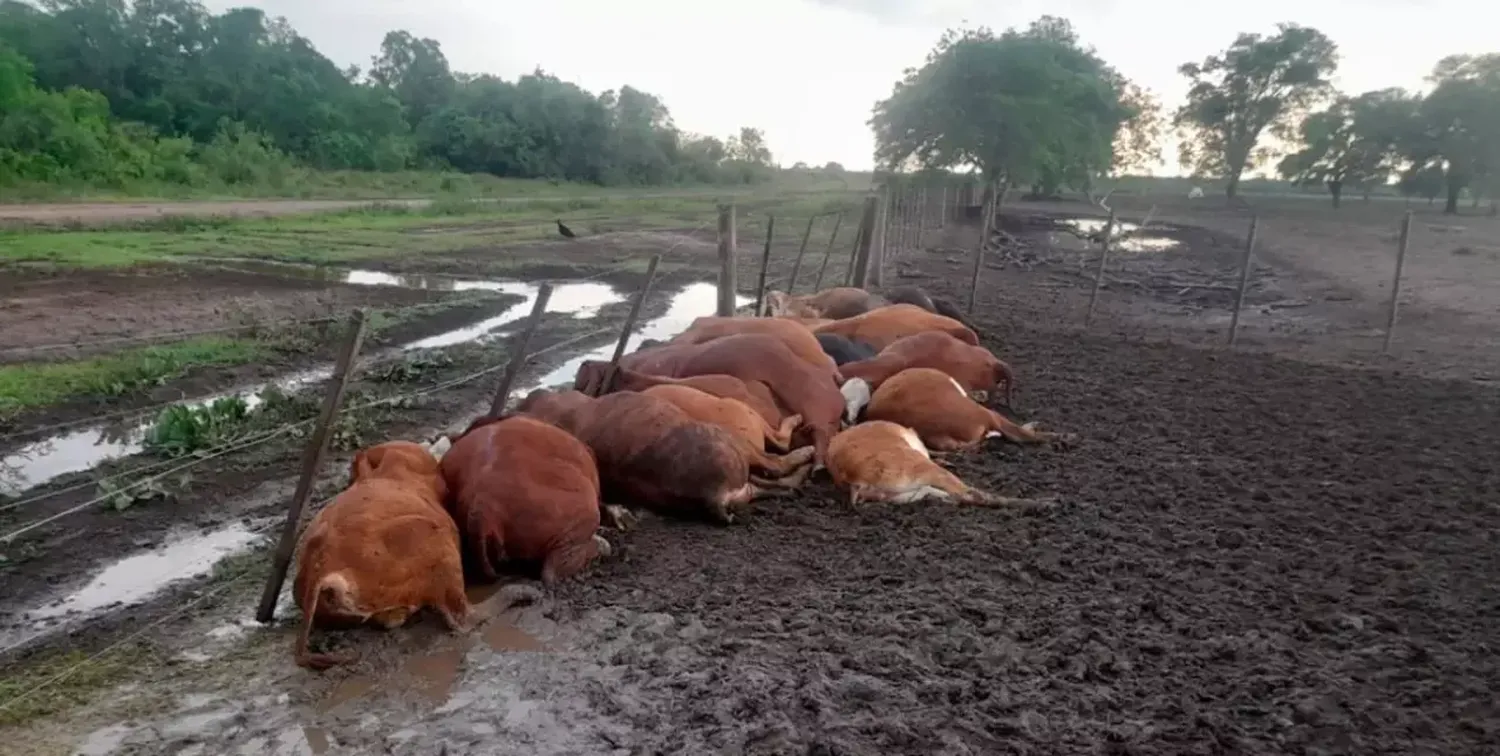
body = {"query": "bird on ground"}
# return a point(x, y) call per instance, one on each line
point(565, 231)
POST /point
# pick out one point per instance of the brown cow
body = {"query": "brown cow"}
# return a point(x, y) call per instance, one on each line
point(975, 368)
point(914, 295)
point(728, 414)
point(882, 326)
point(380, 551)
point(836, 303)
point(524, 491)
point(595, 378)
point(934, 405)
point(810, 392)
point(797, 337)
point(651, 452)
point(882, 461)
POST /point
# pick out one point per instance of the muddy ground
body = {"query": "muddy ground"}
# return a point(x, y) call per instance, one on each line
point(1250, 554)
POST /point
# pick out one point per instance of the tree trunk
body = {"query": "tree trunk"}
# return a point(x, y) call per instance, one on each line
point(1336, 188)
point(1232, 189)
point(1451, 207)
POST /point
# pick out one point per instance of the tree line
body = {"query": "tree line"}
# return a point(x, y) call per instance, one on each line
point(1036, 107)
point(114, 91)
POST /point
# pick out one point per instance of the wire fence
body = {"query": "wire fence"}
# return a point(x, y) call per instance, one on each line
point(142, 476)
point(785, 266)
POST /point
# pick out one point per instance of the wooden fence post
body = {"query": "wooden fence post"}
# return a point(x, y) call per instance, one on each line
point(854, 253)
point(874, 272)
point(923, 212)
point(1109, 233)
point(635, 310)
point(943, 208)
point(791, 285)
point(727, 244)
point(519, 356)
point(865, 246)
point(991, 206)
point(1239, 295)
point(312, 459)
point(1390, 321)
point(765, 263)
point(828, 253)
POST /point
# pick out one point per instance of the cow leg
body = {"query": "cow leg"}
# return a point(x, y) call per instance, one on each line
point(453, 605)
point(393, 617)
point(568, 561)
point(782, 436)
point(1021, 434)
point(794, 480)
point(617, 517)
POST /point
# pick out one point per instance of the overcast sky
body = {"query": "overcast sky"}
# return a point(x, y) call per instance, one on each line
point(808, 71)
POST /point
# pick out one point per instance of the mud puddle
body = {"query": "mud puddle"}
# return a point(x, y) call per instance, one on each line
point(693, 301)
point(1095, 226)
point(130, 581)
point(42, 461)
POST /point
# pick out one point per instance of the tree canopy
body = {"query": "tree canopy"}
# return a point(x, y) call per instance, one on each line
point(1458, 127)
point(1258, 84)
point(1356, 142)
point(1026, 107)
point(87, 82)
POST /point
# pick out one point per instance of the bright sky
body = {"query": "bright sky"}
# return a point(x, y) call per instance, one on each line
point(808, 71)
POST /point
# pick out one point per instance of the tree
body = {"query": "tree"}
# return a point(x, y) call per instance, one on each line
point(1458, 129)
point(1030, 106)
point(1422, 181)
point(750, 147)
point(416, 71)
point(1354, 142)
point(1258, 84)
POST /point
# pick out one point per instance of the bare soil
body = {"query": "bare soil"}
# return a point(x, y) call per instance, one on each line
point(48, 307)
point(1250, 554)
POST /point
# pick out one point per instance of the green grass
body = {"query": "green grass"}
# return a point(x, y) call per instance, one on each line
point(39, 384)
point(388, 231)
point(92, 678)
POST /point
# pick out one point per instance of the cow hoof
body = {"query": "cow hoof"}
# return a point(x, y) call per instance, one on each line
point(603, 547)
point(620, 518)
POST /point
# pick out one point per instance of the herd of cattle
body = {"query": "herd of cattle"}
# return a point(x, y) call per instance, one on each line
point(843, 380)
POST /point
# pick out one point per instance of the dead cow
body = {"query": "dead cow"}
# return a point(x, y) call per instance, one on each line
point(882, 326)
point(651, 452)
point(810, 392)
point(931, 403)
point(728, 414)
point(797, 337)
point(380, 551)
point(883, 461)
point(524, 491)
point(975, 368)
point(914, 295)
point(836, 303)
point(597, 378)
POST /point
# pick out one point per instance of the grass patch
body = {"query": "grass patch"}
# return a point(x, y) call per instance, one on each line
point(92, 678)
point(449, 224)
point(39, 384)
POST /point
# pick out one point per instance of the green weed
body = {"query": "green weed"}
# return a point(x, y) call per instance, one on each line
point(38, 384)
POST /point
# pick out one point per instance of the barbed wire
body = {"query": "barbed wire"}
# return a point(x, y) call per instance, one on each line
point(201, 598)
point(281, 430)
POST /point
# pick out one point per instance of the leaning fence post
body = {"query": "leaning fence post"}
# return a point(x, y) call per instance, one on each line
point(1109, 234)
point(865, 244)
point(312, 459)
point(522, 343)
point(635, 309)
point(859, 233)
point(1390, 321)
point(839, 221)
point(791, 285)
point(943, 208)
point(1239, 295)
point(727, 244)
point(991, 206)
point(765, 264)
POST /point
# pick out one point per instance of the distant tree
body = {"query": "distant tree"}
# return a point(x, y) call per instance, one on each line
point(799, 166)
point(1422, 181)
point(750, 147)
point(1258, 84)
point(1356, 142)
point(833, 168)
point(1458, 130)
point(416, 71)
point(1030, 106)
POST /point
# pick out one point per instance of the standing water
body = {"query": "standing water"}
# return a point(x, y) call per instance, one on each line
point(74, 451)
